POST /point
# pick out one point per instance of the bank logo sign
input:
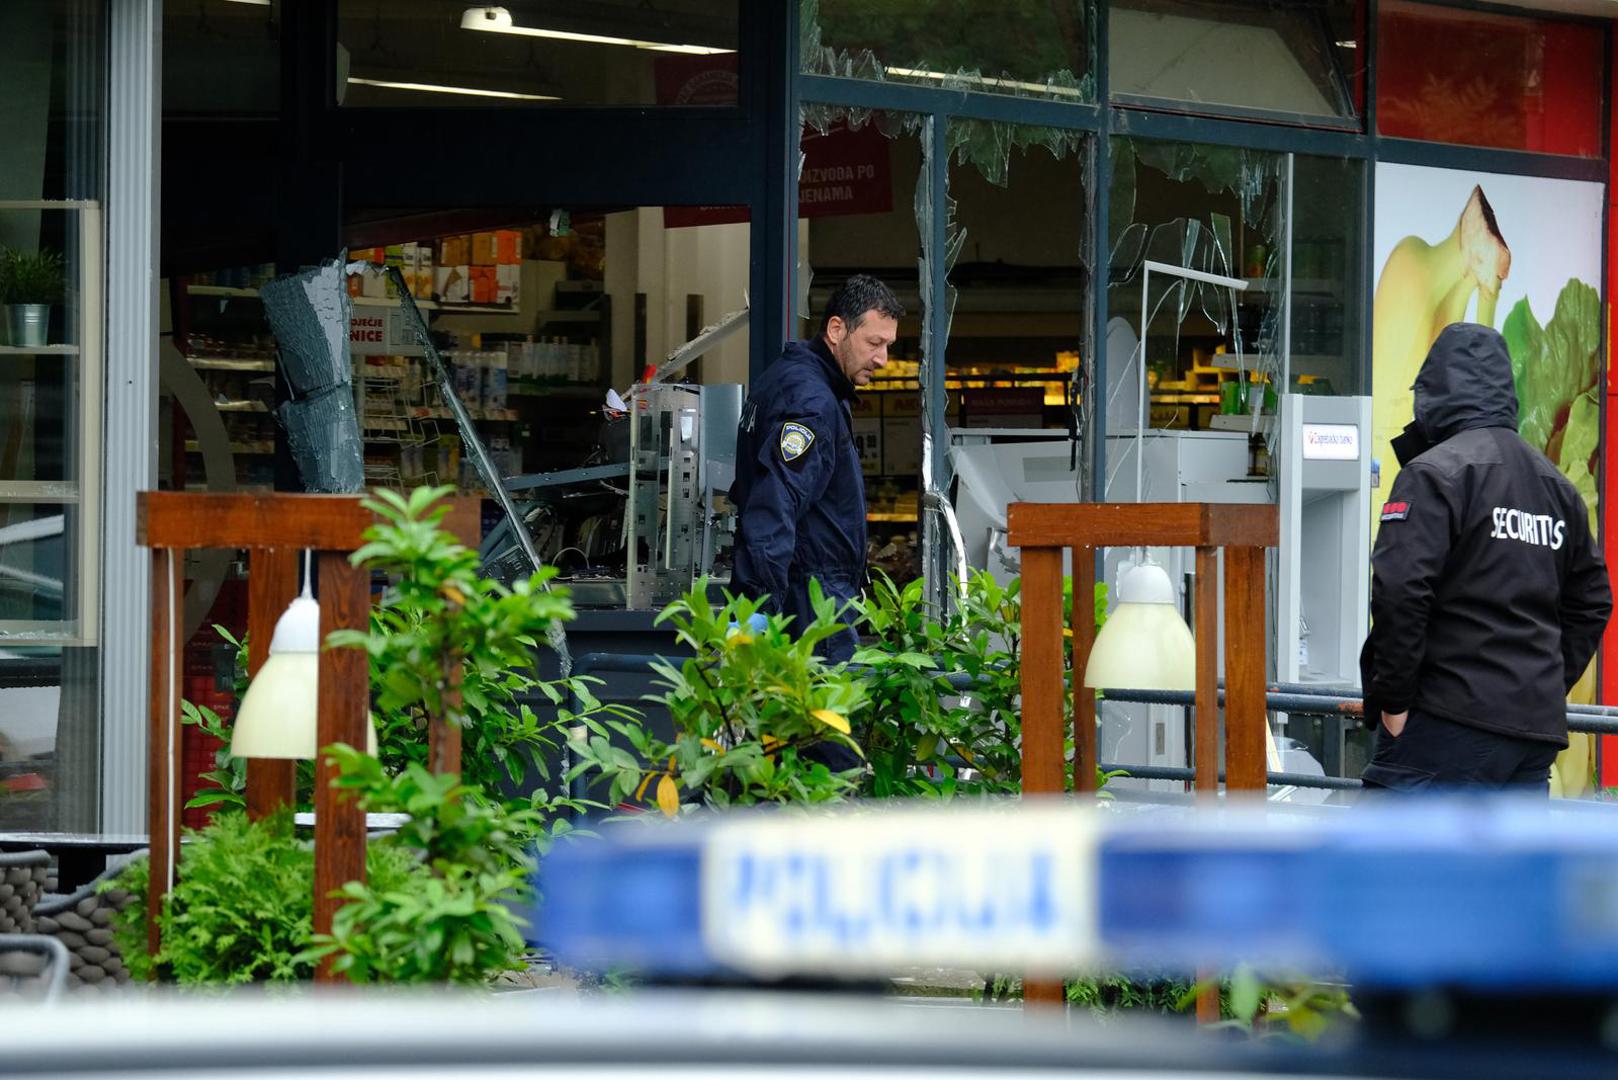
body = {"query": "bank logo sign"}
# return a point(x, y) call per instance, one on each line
point(1331, 442)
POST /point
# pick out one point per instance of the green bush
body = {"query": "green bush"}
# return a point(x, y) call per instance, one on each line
point(241, 910)
point(922, 733)
point(745, 706)
point(453, 919)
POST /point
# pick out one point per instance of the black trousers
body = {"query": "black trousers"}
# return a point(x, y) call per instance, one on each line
point(1433, 752)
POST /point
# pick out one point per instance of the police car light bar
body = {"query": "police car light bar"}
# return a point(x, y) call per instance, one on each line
point(1485, 894)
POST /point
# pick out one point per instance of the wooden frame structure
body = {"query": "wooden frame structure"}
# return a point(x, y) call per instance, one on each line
point(273, 529)
point(1043, 531)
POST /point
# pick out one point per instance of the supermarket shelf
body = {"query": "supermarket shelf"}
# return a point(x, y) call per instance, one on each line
point(442, 413)
point(220, 290)
point(228, 363)
point(369, 301)
point(59, 492)
point(39, 350)
point(253, 449)
point(885, 518)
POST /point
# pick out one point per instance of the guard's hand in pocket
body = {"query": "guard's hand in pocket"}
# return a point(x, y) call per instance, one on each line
point(1395, 722)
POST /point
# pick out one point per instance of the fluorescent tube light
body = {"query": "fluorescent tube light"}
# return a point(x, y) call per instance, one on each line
point(255, 3)
point(439, 88)
point(1009, 84)
point(497, 20)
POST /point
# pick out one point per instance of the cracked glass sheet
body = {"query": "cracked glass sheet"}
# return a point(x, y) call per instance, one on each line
point(1294, 58)
point(309, 314)
point(1022, 48)
point(1213, 209)
point(1017, 312)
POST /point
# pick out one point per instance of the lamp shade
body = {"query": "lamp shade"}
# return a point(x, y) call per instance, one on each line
point(278, 715)
point(485, 18)
point(1144, 644)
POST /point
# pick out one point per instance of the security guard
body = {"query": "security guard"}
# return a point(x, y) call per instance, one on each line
point(1488, 591)
point(799, 493)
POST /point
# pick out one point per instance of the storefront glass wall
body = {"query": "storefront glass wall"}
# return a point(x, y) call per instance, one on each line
point(563, 52)
point(52, 64)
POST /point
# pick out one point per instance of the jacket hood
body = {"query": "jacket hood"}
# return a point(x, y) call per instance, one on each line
point(1465, 383)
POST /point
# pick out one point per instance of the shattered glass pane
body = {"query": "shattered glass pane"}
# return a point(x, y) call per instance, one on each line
point(1019, 326)
point(1210, 348)
point(1214, 210)
point(1250, 54)
point(1023, 48)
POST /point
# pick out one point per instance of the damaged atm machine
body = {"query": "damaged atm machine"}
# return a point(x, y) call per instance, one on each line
point(647, 513)
point(1304, 450)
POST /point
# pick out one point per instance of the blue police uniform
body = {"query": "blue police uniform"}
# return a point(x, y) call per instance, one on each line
point(799, 492)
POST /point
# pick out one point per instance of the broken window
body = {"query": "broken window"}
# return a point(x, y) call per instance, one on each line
point(1179, 214)
point(1292, 58)
point(1019, 274)
point(1028, 48)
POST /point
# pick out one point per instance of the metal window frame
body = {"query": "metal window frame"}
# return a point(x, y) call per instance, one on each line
point(133, 109)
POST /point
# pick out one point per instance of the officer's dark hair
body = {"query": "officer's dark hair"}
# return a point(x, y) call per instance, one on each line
point(856, 296)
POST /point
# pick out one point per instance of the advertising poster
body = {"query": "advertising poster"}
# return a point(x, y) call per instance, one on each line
point(1520, 254)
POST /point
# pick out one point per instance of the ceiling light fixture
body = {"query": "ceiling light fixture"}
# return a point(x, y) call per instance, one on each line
point(254, 3)
point(497, 20)
point(440, 88)
point(1008, 84)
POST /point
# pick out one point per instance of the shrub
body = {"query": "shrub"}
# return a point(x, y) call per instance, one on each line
point(751, 708)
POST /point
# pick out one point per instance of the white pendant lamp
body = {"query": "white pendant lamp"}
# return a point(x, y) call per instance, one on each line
point(1144, 644)
point(278, 716)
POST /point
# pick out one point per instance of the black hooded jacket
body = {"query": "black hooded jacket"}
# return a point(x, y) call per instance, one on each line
point(1488, 591)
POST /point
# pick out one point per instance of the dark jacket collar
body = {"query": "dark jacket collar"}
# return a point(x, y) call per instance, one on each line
point(834, 372)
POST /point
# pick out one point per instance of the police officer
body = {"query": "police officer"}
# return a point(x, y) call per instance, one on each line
point(1488, 592)
point(799, 492)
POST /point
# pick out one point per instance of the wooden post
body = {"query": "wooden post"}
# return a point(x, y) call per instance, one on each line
point(444, 730)
point(1207, 709)
point(1042, 734)
point(164, 754)
point(272, 582)
point(1245, 764)
point(345, 601)
point(1083, 622)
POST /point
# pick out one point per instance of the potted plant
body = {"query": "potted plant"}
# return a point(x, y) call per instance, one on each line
point(30, 282)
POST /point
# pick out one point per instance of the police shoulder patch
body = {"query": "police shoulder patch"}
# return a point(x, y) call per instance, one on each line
point(796, 439)
point(1395, 511)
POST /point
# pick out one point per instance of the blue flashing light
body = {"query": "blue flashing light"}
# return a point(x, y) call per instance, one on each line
point(1473, 893)
point(610, 904)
